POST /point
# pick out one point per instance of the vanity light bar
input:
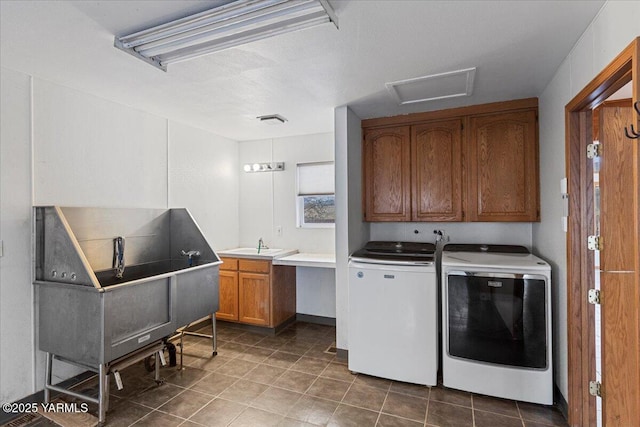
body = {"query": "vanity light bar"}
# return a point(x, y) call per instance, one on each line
point(233, 24)
point(264, 167)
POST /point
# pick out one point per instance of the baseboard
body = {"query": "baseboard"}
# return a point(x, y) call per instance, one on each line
point(560, 402)
point(342, 354)
point(38, 397)
point(319, 320)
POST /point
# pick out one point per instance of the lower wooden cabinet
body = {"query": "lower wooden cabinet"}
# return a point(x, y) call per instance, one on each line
point(256, 292)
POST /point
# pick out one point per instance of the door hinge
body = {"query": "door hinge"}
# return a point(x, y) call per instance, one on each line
point(594, 150)
point(595, 388)
point(593, 296)
point(594, 243)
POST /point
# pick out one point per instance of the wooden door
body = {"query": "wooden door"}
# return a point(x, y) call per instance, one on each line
point(503, 167)
point(387, 174)
point(620, 301)
point(254, 298)
point(228, 294)
point(436, 171)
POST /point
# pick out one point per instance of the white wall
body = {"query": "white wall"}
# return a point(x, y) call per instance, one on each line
point(268, 200)
point(615, 26)
point(16, 291)
point(351, 231)
point(203, 178)
point(500, 233)
point(87, 151)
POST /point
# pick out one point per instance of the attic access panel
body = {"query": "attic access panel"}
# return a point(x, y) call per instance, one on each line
point(432, 87)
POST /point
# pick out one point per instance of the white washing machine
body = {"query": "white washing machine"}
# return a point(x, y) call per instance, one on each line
point(496, 322)
point(393, 312)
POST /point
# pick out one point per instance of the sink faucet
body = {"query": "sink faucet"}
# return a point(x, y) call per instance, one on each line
point(118, 256)
point(261, 245)
point(190, 255)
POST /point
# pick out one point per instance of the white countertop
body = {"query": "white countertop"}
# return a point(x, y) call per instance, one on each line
point(308, 260)
point(252, 253)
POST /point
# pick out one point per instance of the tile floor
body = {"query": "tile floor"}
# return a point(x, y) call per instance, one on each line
point(291, 380)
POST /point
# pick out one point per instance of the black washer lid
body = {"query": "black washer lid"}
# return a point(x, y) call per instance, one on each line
point(508, 249)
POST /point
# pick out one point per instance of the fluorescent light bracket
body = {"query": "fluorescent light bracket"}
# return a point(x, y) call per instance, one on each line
point(272, 119)
point(223, 27)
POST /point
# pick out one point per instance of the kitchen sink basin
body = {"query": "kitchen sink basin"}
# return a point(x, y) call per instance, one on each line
point(269, 253)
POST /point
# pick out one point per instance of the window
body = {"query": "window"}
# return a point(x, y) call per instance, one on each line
point(315, 201)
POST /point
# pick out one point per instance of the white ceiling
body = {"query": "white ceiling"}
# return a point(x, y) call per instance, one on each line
point(515, 45)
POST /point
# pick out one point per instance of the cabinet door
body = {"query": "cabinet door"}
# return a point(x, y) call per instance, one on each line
point(436, 171)
point(387, 173)
point(254, 298)
point(228, 292)
point(503, 167)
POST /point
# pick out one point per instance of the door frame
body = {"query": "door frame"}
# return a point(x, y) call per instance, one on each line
point(580, 263)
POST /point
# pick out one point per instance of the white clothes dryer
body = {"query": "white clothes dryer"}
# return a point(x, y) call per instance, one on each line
point(496, 322)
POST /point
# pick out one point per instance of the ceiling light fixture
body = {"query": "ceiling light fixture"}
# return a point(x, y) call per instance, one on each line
point(272, 119)
point(235, 23)
point(264, 167)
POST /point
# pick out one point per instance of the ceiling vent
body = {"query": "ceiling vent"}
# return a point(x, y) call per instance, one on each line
point(272, 119)
point(436, 86)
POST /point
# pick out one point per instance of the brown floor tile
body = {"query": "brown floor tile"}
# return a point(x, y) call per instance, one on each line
point(318, 351)
point(328, 388)
point(411, 389)
point(156, 396)
point(373, 381)
point(214, 384)
point(313, 410)
point(186, 403)
point(231, 349)
point(297, 347)
point(276, 400)
point(208, 362)
point(365, 397)
point(187, 376)
point(386, 420)
point(248, 338)
point(219, 412)
point(156, 418)
point(264, 374)
point(528, 423)
point(295, 381)
point(133, 385)
point(273, 343)
point(236, 368)
point(244, 391)
point(445, 415)
point(350, 416)
point(310, 365)
point(290, 422)
point(542, 414)
point(125, 413)
point(494, 404)
point(282, 359)
point(449, 395)
point(490, 419)
point(338, 371)
point(253, 417)
point(402, 405)
point(256, 354)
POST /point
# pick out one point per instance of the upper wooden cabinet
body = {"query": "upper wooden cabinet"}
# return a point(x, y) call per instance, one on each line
point(503, 167)
point(475, 163)
point(387, 174)
point(436, 171)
